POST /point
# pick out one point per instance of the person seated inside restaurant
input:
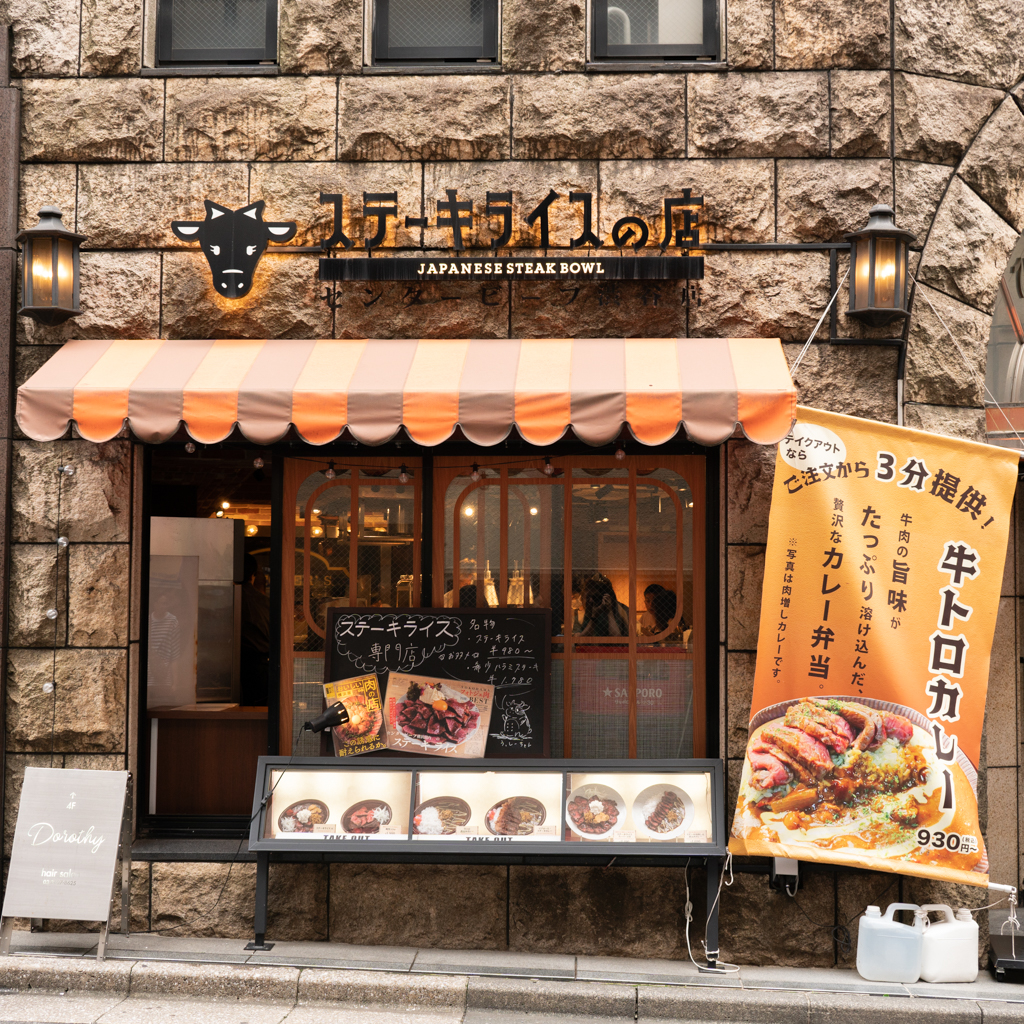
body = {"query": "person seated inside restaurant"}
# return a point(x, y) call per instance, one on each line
point(661, 606)
point(466, 596)
point(604, 614)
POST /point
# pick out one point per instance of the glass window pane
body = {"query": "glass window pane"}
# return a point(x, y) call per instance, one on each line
point(219, 24)
point(600, 549)
point(664, 583)
point(435, 23)
point(664, 719)
point(655, 22)
point(474, 514)
point(600, 707)
point(386, 522)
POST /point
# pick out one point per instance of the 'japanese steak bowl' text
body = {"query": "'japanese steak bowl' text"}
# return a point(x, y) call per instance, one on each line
point(837, 775)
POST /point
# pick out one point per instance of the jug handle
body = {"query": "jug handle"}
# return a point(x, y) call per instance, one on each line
point(893, 907)
point(935, 908)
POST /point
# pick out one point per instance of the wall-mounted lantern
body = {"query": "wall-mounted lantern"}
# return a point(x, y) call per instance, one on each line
point(878, 269)
point(49, 275)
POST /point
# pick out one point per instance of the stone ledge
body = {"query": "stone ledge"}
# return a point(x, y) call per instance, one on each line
point(215, 71)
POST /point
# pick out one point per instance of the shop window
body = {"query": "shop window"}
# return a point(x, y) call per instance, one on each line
point(351, 539)
point(615, 550)
point(207, 666)
point(655, 29)
point(428, 31)
point(216, 31)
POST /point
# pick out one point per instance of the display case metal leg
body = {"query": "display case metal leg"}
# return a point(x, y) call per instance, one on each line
point(260, 917)
point(6, 933)
point(711, 935)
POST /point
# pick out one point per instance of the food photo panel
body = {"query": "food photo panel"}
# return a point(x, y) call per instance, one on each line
point(446, 717)
point(338, 806)
point(488, 806)
point(638, 808)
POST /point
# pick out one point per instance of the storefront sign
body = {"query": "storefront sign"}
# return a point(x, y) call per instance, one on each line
point(499, 656)
point(233, 242)
point(883, 570)
point(650, 807)
point(564, 268)
point(65, 844)
point(459, 215)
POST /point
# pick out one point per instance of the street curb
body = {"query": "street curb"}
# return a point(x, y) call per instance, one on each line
point(434, 991)
point(213, 981)
point(321, 988)
point(528, 995)
point(59, 974)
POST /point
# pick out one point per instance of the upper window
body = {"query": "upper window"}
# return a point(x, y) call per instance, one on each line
point(222, 31)
point(429, 31)
point(660, 29)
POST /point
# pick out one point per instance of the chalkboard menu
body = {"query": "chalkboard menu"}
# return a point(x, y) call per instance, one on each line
point(504, 650)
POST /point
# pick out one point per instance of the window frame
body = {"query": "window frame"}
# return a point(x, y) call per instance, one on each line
point(381, 53)
point(601, 50)
point(167, 55)
point(696, 470)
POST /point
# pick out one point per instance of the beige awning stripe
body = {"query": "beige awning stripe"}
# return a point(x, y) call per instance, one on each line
point(431, 387)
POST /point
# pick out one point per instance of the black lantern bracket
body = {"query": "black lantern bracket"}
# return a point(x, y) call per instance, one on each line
point(50, 272)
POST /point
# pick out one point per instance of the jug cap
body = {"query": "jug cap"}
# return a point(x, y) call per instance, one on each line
point(963, 914)
point(873, 912)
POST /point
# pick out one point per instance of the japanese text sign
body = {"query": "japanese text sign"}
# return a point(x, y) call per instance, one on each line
point(883, 570)
point(65, 844)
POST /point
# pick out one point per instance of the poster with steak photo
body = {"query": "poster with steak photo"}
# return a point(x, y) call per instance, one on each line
point(447, 717)
point(883, 570)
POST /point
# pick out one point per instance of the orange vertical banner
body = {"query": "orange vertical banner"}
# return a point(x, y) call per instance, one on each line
point(884, 564)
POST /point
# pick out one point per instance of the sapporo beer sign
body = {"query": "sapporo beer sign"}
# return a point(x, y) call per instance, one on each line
point(883, 570)
point(65, 844)
point(233, 241)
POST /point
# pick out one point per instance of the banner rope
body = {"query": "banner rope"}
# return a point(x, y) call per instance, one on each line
point(817, 326)
point(970, 366)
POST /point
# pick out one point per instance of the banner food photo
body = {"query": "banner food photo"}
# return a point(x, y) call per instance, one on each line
point(884, 564)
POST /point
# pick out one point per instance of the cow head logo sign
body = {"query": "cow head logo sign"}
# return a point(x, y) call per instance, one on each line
point(233, 241)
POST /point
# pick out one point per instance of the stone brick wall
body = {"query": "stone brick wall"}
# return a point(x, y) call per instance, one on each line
point(828, 106)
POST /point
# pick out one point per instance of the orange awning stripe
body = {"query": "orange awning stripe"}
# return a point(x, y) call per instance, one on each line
point(371, 389)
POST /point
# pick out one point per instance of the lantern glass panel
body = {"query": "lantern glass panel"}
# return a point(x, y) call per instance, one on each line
point(862, 272)
point(40, 256)
point(885, 272)
point(65, 273)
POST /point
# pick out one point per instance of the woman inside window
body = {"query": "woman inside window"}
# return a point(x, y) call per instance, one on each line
point(604, 614)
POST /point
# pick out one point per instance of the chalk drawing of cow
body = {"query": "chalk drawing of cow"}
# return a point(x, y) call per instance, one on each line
point(233, 241)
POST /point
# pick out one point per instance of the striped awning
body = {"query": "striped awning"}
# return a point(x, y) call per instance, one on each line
point(372, 388)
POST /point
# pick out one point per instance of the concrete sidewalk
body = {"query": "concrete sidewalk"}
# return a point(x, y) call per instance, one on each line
point(343, 983)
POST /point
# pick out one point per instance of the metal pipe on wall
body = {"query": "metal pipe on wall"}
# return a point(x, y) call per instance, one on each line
point(10, 144)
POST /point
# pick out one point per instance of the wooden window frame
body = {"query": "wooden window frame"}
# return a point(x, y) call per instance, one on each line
point(692, 468)
point(295, 471)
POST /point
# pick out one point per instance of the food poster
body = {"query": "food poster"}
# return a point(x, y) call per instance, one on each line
point(885, 557)
point(364, 729)
point(638, 808)
point(488, 806)
point(425, 715)
point(338, 806)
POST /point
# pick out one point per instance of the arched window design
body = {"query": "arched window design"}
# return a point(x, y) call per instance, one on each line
point(615, 550)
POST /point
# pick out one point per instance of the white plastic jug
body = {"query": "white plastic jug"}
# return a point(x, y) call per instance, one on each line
point(888, 950)
point(949, 948)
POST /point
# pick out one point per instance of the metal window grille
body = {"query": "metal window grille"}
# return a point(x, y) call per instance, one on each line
point(660, 29)
point(217, 30)
point(435, 30)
